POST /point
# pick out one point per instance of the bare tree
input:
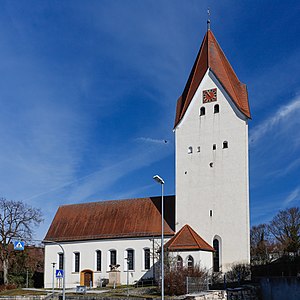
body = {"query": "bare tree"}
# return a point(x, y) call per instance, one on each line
point(285, 227)
point(17, 220)
point(259, 244)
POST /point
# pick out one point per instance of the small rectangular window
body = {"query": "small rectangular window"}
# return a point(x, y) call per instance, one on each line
point(214, 146)
point(77, 261)
point(210, 213)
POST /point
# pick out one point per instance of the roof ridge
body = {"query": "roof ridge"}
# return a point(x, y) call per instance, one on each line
point(219, 49)
point(194, 235)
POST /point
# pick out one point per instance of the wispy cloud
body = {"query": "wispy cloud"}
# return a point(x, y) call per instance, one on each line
point(150, 140)
point(282, 113)
point(292, 196)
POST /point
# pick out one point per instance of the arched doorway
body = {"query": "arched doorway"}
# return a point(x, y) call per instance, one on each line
point(86, 278)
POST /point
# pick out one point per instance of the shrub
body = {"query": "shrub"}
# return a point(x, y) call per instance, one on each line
point(175, 279)
point(239, 273)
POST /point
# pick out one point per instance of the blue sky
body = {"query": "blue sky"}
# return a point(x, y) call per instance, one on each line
point(88, 92)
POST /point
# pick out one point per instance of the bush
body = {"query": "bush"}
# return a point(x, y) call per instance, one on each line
point(238, 273)
point(175, 279)
point(6, 287)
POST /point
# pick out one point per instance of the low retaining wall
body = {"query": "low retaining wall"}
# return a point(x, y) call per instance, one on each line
point(279, 288)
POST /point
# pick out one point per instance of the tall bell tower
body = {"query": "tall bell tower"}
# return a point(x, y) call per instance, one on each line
point(211, 133)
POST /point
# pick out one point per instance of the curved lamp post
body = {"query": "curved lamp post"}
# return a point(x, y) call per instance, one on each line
point(64, 281)
point(159, 180)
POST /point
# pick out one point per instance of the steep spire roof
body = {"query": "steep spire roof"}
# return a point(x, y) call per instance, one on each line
point(187, 239)
point(211, 56)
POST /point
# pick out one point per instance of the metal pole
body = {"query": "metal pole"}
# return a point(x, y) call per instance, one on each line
point(162, 241)
point(127, 276)
point(53, 267)
point(153, 264)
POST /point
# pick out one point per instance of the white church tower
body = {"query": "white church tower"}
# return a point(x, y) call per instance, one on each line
point(211, 132)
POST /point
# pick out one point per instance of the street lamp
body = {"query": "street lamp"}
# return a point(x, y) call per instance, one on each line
point(159, 180)
point(64, 267)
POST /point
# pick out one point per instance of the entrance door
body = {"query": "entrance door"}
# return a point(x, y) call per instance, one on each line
point(87, 278)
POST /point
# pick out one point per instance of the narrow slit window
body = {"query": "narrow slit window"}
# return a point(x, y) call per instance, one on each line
point(202, 111)
point(190, 150)
point(216, 109)
point(198, 149)
point(225, 145)
point(214, 146)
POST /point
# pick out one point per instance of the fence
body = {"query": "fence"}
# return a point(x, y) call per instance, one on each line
point(196, 284)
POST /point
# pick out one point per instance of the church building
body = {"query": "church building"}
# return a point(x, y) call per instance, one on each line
point(205, 223)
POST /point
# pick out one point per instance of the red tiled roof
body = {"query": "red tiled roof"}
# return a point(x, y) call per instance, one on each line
point(211, 56)
point(112, 219)
point(187, 239)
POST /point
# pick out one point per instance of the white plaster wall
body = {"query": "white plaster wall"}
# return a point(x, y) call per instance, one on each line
point(201, 258)
point(222, 188)
point(87, 252)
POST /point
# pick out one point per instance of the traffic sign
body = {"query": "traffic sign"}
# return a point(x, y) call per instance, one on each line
point(59, 273)
point(19, 245)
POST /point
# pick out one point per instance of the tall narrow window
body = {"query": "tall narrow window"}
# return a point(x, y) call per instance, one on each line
point(225, 144)
point(202, 111)
point(190, 262)
point(130, 259)
point(216, 109)
point(98, 260)
point(216, 259)
point(113, 257)
point(60, 261)
point(179, 263)
point(76, 261)
point(147, 259)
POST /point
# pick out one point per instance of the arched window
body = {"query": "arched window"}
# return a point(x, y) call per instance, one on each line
point(225, 145)
point(216, 109)
point(60, 261)
point(76, 261)
point(216, 262)
point(190, 262)
point(113, 257)
point(202, 111)
point(190, 150)
point(98, 260)
point(179, 262)
point(147, 258)
point(130, 259)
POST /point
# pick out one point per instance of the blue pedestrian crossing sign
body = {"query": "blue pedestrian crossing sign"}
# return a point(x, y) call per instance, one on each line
point(59, 273)
point(18, 245)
